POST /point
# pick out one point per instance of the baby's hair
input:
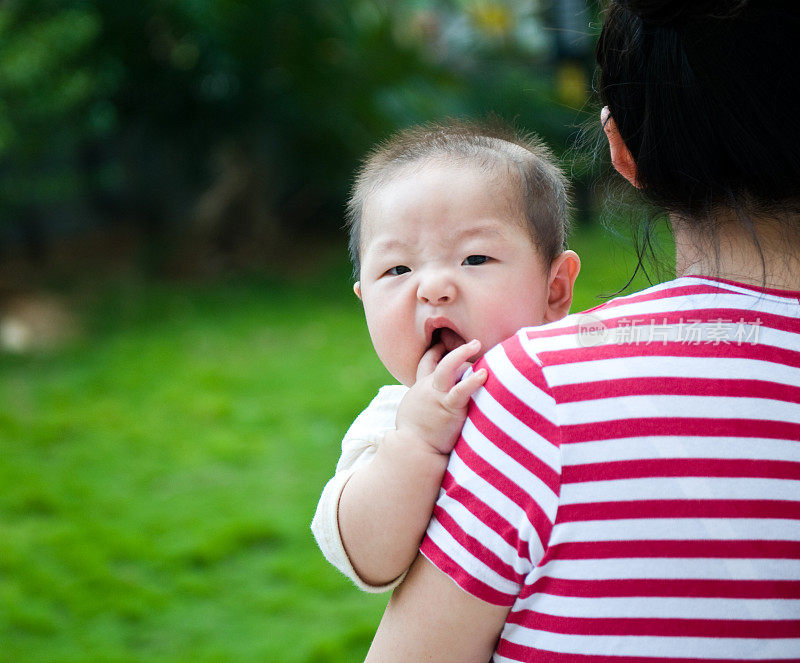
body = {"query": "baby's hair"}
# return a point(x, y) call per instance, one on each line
point(542, 184)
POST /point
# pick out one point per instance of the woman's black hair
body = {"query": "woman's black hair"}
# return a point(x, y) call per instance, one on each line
point(703, 94)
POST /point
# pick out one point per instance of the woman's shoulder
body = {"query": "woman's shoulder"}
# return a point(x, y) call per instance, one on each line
point(675, 295)
point(636, 328)
point(579, 334)
point(572, 328)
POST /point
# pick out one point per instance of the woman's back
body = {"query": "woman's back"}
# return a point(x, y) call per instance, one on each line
point(643, 496)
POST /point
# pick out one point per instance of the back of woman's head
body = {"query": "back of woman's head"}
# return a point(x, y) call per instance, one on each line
point(703, 93)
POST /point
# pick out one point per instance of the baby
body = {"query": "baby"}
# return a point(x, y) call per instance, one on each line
point(457, 239)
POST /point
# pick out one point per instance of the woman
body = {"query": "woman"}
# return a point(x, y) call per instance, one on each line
point(627, 485)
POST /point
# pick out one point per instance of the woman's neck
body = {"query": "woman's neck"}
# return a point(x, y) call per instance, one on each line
point(733, 254)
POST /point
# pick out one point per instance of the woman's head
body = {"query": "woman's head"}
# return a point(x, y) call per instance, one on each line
point(702, 92)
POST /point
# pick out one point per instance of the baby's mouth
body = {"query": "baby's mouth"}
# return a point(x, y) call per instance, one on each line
point(447, 337)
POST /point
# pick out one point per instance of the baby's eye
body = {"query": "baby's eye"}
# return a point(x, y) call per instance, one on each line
point(398, 270)
point(475, 260)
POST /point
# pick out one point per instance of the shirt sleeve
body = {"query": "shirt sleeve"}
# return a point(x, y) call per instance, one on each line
point(499, 497)
point(358, 448)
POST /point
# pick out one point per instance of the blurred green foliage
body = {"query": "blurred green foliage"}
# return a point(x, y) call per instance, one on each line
point(46, 89)
point(245, 117)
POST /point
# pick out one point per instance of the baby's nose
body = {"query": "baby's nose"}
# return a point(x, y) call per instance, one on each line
point(436, 288)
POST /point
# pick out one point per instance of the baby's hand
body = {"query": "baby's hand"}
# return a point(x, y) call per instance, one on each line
point(434, 409)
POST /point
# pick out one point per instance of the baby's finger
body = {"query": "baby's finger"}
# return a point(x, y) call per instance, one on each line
point(462, 369)
point(458, 397)
point(430, 360)
point(451, 366)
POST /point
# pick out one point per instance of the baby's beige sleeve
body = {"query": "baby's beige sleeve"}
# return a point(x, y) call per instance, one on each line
point(358, 448)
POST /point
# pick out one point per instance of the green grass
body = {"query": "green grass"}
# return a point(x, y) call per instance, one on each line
point(158, 478)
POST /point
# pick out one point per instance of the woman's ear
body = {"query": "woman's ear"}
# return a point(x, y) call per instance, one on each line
point(620, 154)
point(357, 289)
point(563, 272)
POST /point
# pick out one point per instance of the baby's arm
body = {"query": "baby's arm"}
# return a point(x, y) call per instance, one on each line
point(386, 505)
point(359, 445)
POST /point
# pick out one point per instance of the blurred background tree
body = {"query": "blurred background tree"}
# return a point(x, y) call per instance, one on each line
point(215, 133)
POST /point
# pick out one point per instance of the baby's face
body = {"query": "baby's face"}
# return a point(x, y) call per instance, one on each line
point(446, 256)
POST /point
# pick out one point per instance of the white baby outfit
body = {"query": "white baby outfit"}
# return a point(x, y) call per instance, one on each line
point(359, 446)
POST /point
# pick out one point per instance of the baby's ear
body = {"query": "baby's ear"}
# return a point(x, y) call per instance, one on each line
point(357, 289)
point(563, 272)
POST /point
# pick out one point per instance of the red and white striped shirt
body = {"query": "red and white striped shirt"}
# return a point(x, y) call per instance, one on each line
point(628, 481)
